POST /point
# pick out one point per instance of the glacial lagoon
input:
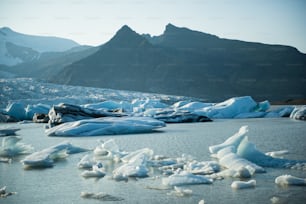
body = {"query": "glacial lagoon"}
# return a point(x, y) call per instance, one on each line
point(63, 182)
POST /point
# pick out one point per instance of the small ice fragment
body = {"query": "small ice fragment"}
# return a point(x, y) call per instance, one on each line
point(97, 171)
point(243, 184)
point(11, 146)
point(100, 196)
point(86, 162)
point(202, 201)
point(4, 193)
point(185, 178)
point(290, 180)
point(181, 192)
point(277, 154)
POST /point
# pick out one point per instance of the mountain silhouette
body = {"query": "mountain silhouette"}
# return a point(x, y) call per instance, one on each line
point(186, 62)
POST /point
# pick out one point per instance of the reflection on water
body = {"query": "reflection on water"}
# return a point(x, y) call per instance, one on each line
point(63, 183)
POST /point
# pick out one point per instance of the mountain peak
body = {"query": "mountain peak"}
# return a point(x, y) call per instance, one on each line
point(126, 37)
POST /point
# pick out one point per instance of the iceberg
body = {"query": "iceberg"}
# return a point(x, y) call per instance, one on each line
point(243, 184)
point(11, 146)
point(299, 113)
point(63, 113)
point(86, 162)
point(135, 165)
point(97, 171)
point(231, 107)
point(233, 141)
point(47, 157)
point(106, 126)
point(205, 167)
point(100, 196)
point(285, 180)
point(185, 178)
point(237, 152)
point(180, 192)
point(108, 150)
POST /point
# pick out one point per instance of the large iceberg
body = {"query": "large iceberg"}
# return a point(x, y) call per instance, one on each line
point(106, 126)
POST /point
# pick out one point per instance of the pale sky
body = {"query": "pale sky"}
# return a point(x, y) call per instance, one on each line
point(94, 22)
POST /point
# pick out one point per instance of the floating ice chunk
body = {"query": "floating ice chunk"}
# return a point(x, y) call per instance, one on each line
point(243, 184)
point(185, 178)
point(231, 107)
point(108, 150)
point(106, 126)
point(136, 165)
point(46, 157)
point(11, 146)
point(235, 162)
point(299, 113)
point(97, 171)
point(181, 192)
point(16, 110)
point(290, 180)
point(249, 151)
point(277, 154)
point(100, 196)
point(4, 193)
point(205, 167)
point(231, 141)
point(86, 162)
point(202, 201)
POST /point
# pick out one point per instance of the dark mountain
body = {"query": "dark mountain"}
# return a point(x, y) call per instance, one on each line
point(192, 63)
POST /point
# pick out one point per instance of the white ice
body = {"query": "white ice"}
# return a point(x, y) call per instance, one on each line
point(86, 162)
point(46, 157)
point(180, 192)
point(243, 184)
point(106, 126)
point(290, 180)
point(97, 171)
point(233, 141)
point(108, 150)
point(11, 146)
point(185, 178)
point(135, 165)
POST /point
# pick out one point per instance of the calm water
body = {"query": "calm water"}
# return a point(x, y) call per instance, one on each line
point(63, 183)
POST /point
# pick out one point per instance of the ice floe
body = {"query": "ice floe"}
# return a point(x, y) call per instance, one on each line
point(285, 180)
point(100, 196)
point(11, 146)
point(185, 178)
point(106, 126)
point(135, 165)
point(97, 171)
point(243, 184)
point(299, 113)
point(4, 193)
point(47, 157)
point(180, 192)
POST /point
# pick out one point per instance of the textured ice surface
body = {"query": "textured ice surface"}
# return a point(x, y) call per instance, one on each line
point(11, 146)
point(243, 184)
point(290, 180)
point(46, 157)
point(106, 126)
point(185, 178)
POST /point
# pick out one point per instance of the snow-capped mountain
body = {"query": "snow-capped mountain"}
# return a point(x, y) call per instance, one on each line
point(16, 48)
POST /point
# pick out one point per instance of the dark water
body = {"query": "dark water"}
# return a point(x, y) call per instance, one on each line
point(63, 183)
